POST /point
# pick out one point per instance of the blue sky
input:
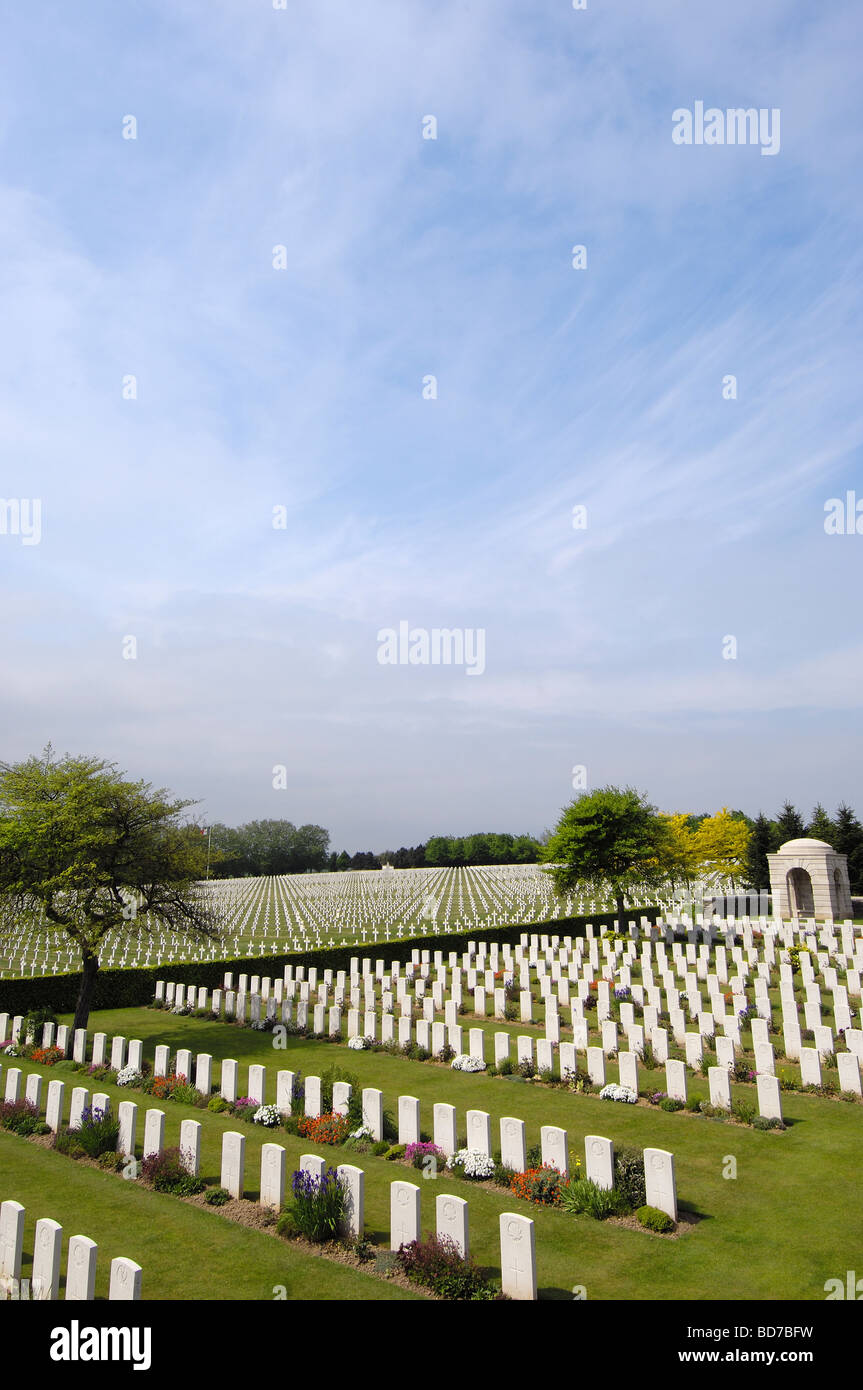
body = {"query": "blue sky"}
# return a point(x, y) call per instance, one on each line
point(302, 388)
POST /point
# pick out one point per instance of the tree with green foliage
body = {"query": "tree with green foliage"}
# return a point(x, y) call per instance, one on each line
point(613, 837)
point(764, 840)
point(821, 826)
point(789, 824)
point(85, 850)
point(848, 840)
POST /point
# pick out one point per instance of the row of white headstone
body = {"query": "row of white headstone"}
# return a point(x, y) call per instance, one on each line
point(513, 1141)
point(44, 1281)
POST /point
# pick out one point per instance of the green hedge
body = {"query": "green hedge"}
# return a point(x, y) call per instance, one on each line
point(124, 989)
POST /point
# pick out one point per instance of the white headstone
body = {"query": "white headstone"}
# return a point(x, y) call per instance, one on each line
point(409, 1120)
point(190, 1146)
point(513, 1150)
point(555, 1150)
point(127, 1114)
point(81, 1269)
point(445, 1128)
point(373, 1112)
point(154, 1132)
point(354, 1180)
point(45, 1279)
point(125, 1283)
point(599, 1160)
point(719, 1079)
point(479, 1131)
point(404, 1214)
point(518, 1257)
point(451, 1220)
point(233, 1161)
point(228, 1079)
point(11, 1241)
point(660, 1183)
point(54, 1108)
point(272, 1176)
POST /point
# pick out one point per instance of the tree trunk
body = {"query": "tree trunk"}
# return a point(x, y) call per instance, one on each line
point(618, 898)
point(85, 994)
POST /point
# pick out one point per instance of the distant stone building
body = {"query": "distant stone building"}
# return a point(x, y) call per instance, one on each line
point(809, 879)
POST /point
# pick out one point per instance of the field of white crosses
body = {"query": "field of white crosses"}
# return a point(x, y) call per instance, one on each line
point(303, 911)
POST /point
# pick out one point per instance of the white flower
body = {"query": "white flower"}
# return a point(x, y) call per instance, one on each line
point(129, 1076)
point(615, 1092)
point(359, 1042)
point(464, 1062)
point(11, 1050)
point(362, 1133)
point(476, 1164)
point(268, 1115)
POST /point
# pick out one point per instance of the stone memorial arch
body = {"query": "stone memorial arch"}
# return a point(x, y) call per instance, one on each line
point(809, 879)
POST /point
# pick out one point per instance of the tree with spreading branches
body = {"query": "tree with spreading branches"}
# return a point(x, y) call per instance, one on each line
point(85, 850)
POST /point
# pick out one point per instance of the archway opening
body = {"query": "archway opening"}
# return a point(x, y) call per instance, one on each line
point(801, 899)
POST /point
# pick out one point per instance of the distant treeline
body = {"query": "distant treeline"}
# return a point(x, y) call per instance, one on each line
point(280, 847)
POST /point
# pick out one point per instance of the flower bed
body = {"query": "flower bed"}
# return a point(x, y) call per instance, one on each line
point(471, 1163)
point(620, 1093)
point(464, 1062)
point(324, 1129)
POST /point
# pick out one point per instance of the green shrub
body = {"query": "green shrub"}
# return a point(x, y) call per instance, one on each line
point(436, 1263)
point(185, 1094)
point(217, 1196)
point(19, 1117)
point(218, 1105)
point(744, 1111)
point(506, 1067)
point(579, 1081)
point(111, 1161)
point(670, 1104)
point(66, 1142)
point(317, 1204)
point(395, 1151)
point(168, 1172)
point(765, 1122)
point(629, 1177)
point(380, 1147)
point(582, 1197)
point(98, 1132)
point(34, 1021)
point(654, 1219)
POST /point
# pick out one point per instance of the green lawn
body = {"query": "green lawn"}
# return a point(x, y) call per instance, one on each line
point(790, 1220)
point(185, 1252)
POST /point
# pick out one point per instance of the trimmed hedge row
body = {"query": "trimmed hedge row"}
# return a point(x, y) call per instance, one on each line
point(127, 988)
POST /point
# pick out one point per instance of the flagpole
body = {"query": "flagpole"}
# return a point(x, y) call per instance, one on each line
point(209, 833)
